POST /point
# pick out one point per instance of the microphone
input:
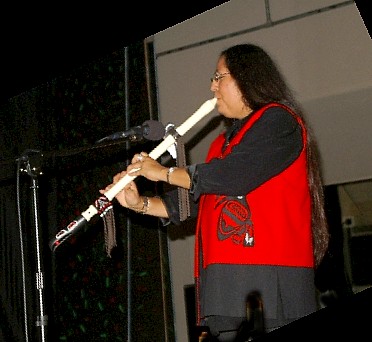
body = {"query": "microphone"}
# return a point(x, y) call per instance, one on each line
point(150, 130)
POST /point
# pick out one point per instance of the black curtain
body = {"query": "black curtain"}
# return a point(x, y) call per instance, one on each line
point(51, 169)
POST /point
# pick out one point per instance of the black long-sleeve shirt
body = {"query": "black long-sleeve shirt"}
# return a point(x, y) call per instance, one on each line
point(269, 147)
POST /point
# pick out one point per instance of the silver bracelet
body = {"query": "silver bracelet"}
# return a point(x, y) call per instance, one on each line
point(170, 170)
point(145, 206)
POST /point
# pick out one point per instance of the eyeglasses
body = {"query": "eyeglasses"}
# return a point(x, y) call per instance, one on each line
point(217, 76)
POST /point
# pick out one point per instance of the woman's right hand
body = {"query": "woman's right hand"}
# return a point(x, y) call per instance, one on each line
point(143, 165)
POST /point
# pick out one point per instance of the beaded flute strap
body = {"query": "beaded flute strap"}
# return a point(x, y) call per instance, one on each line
point(183, 194)
point(106, 211)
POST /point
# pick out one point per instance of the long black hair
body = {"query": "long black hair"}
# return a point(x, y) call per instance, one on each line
point(261, 82)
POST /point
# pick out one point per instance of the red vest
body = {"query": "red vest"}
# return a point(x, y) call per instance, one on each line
point(271, 225)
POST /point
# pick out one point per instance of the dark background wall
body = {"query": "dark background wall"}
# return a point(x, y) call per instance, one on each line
point(51, 169)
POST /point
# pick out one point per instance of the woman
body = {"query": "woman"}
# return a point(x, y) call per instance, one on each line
point(261, 225)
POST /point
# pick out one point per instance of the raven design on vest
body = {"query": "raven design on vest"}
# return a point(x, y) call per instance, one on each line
point(235, 220)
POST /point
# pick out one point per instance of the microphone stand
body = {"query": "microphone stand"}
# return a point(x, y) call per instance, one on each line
point(33, 171)
point(30, 163)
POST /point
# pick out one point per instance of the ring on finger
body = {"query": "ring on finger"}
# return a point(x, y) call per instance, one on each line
point(140, 158)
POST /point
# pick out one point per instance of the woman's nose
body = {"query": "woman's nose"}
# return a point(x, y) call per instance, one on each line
point(214, 86)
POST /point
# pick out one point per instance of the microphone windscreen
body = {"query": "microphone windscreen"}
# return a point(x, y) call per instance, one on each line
point(153, 130)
